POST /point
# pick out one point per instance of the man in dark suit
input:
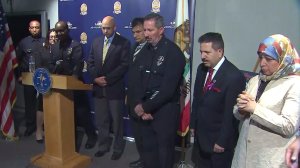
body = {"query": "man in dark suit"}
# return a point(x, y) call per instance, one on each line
point(217, 85)
point(135, 92)
point(107, 65)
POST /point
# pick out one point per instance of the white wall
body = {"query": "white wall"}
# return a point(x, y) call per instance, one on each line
point(244, 24)
point(50, 6)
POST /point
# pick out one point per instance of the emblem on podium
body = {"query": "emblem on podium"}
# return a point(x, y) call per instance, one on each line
point(42, 80)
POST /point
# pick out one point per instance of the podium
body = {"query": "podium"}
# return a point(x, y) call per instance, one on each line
point(59, 124)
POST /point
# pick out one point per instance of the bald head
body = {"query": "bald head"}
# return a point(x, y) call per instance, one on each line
point(62, 30)
point(108, 26)
point(61, 25)
point(34, 28)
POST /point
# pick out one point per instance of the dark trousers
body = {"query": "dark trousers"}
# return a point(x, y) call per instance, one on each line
point(105, 110)
point(158, 137)
point(137, 134)
point(83, 117)
point(211, 160)
point(30, 101)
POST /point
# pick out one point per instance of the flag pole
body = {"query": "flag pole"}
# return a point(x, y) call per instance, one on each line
point(183, 133)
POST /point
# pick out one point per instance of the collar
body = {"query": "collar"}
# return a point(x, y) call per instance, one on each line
point(142, 44)
point(36, 39)
point(110, 38)
point(158, 44)
point(217, 67)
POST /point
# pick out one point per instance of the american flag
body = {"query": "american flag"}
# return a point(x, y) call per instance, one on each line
point(8, 62)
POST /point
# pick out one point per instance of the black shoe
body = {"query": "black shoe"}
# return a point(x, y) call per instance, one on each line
point(29, 131)
point(137, 164)
point(90, 143)
point(116, 156)
point(100, 153)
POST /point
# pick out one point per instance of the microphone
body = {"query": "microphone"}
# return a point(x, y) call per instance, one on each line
point(57, 66)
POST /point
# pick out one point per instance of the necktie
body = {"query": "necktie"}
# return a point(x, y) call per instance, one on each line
point(208, 80)
point(137, 50)
point(105, 49)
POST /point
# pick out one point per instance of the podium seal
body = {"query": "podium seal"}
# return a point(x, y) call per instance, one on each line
point(42, 80)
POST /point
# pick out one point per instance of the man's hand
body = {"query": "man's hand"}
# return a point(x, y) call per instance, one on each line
point(139, 110)
point(146, 116)
point(101, 81)
point(218, 149)
point(141, 113)
point(292, 153)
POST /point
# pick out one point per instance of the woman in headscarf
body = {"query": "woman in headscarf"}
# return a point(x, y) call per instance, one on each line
point(269, 109)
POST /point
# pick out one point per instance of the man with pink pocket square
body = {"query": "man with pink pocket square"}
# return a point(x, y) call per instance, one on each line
point(217, 85)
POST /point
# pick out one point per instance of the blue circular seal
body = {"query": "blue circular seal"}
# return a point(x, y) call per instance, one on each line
point(42, 80)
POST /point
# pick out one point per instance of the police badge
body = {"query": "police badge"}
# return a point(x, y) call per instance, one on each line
point(83, 38)
point(155, 6)
point(69, 51)
point(83, 9)
point(117, 7)
point(160, 60)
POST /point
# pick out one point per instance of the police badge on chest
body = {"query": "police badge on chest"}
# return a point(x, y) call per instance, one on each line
point(69, 51)
point(160, 60)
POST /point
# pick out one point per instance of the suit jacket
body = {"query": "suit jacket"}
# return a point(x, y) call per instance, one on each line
point(212, 116)
point(114, 67)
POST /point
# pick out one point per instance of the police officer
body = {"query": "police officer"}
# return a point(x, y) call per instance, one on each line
point(160, 76)
point(134, 90)
point(29, 46)
point(68, 58)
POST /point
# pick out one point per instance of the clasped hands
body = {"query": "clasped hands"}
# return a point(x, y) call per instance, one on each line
point(141, 113)
point(245, 103)
point(101, 81)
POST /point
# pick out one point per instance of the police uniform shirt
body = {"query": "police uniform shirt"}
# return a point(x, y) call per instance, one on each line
point(161, 69)
point(28, 46)
point(70, 58)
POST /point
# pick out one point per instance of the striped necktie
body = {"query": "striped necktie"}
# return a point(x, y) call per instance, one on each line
point(137, 50)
